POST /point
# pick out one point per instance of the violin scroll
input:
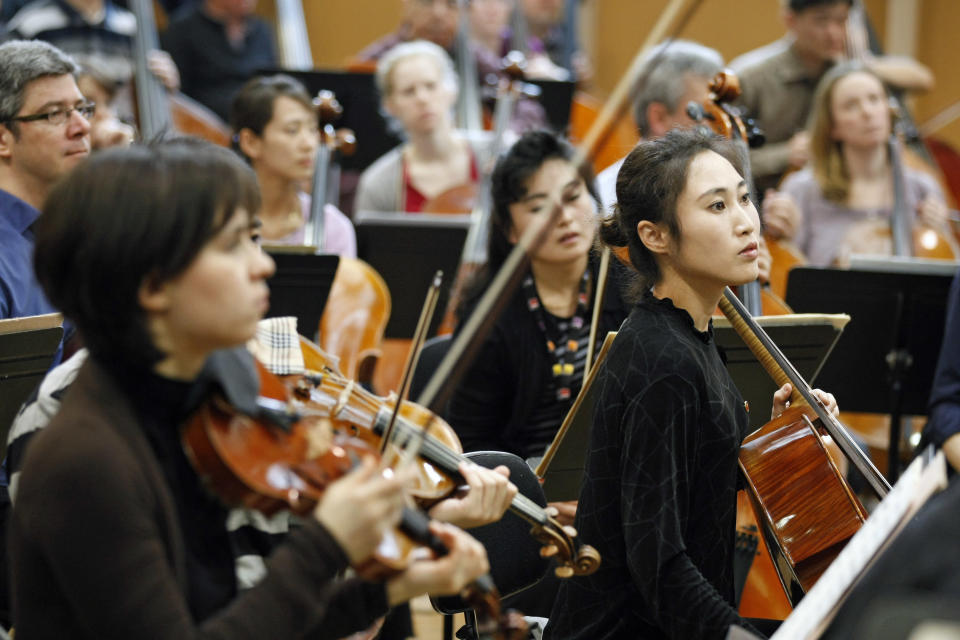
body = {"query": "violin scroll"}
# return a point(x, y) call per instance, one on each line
point(558, 544)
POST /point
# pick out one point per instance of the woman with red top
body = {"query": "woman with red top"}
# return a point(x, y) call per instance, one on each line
point(418, 86)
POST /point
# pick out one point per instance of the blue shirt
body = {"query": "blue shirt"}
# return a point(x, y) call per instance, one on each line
point(20, 293)
point(944, 415)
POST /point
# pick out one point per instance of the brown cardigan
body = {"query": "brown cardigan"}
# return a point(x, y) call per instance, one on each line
point(97, 551)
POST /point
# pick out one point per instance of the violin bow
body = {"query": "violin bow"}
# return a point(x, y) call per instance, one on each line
point(412, 447)
point(464, 346)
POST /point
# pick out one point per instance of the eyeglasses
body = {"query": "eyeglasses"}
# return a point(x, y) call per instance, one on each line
point(59, 116)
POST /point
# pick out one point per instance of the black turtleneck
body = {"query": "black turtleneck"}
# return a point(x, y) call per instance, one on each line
point(659, 495)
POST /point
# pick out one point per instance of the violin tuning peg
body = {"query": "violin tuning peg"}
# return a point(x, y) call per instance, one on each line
point(570, 531)
point(548, 551)
point(563, 572)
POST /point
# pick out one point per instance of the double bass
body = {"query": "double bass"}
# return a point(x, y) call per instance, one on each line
point(158, 112)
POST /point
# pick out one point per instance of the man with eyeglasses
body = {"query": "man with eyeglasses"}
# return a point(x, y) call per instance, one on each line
point(44, 133)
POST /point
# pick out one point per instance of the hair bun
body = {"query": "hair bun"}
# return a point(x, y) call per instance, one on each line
point(611, 231)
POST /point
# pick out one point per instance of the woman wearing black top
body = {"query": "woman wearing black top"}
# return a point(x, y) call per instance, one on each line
point(520, 387)
point(659, 494)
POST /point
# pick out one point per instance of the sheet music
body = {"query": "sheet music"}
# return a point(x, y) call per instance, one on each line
point(811, 617)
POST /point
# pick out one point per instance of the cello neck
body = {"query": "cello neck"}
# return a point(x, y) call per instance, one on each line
point(783, 372)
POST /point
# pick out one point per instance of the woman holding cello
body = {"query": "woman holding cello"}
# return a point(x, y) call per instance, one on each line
point(660, 483)
point(275, 128)
point(847, 194)
point(418, 86)
point(114, 534)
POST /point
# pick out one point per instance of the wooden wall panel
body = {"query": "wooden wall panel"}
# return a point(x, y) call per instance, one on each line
point(340, 28)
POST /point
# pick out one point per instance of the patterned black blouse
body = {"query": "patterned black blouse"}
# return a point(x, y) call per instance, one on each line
point(659, 495)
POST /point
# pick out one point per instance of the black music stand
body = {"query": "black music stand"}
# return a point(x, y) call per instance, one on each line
point(27, 348)
point(301, 285)
point(885, 361)
point(407, 249)
point(805, 339)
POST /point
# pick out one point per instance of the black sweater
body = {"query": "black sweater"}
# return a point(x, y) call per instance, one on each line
point(659, 494)
point(491, 407)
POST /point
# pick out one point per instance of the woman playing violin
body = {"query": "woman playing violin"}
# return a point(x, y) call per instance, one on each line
point(659, 492)
point(849, 187)
point(114, 534)
point(418, 86)
point(275, 128)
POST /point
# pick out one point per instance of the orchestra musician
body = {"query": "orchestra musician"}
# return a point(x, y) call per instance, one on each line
point(107, 129)
point(113, 534)
point(676, 73)
point(779, 79)
point(218, 45)
point(275, 128)
point(659, 492)
point(943, 427)
point(92, 29)
point(849, 183)
point(44, 134)
point(418, 87)
point(530, 368)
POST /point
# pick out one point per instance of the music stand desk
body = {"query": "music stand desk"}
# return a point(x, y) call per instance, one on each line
point(885, 361)
point(407, 249)
point(301, 284)
point(27, 348)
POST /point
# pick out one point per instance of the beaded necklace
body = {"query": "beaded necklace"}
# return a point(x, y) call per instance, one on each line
point(562, 367)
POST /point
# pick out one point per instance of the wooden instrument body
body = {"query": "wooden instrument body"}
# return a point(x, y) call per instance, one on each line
point(806, 509)
point(355, 318)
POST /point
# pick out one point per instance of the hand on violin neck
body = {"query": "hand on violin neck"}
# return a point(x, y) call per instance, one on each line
point(360, 507)
point(448, 575)
point(563, 512)
point(488, 495)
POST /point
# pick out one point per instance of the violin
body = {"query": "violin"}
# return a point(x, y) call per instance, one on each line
point(365, 416)
point(287, 456)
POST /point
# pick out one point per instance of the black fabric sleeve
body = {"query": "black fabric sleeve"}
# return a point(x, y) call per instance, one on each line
point(90, 517)
point(353, 605)
point(660, 431)
point(481, 404)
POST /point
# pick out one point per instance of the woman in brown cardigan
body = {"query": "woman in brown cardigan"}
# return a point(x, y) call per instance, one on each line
point(149, 251)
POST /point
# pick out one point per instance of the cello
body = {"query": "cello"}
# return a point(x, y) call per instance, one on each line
point(807, 511)
point(358, 306)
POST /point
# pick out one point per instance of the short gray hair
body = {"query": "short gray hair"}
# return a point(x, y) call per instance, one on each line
point(22, 62)
point(665, 71)
point(409, 50)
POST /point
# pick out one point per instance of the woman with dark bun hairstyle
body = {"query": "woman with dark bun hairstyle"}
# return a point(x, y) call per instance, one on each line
point(659, 494)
